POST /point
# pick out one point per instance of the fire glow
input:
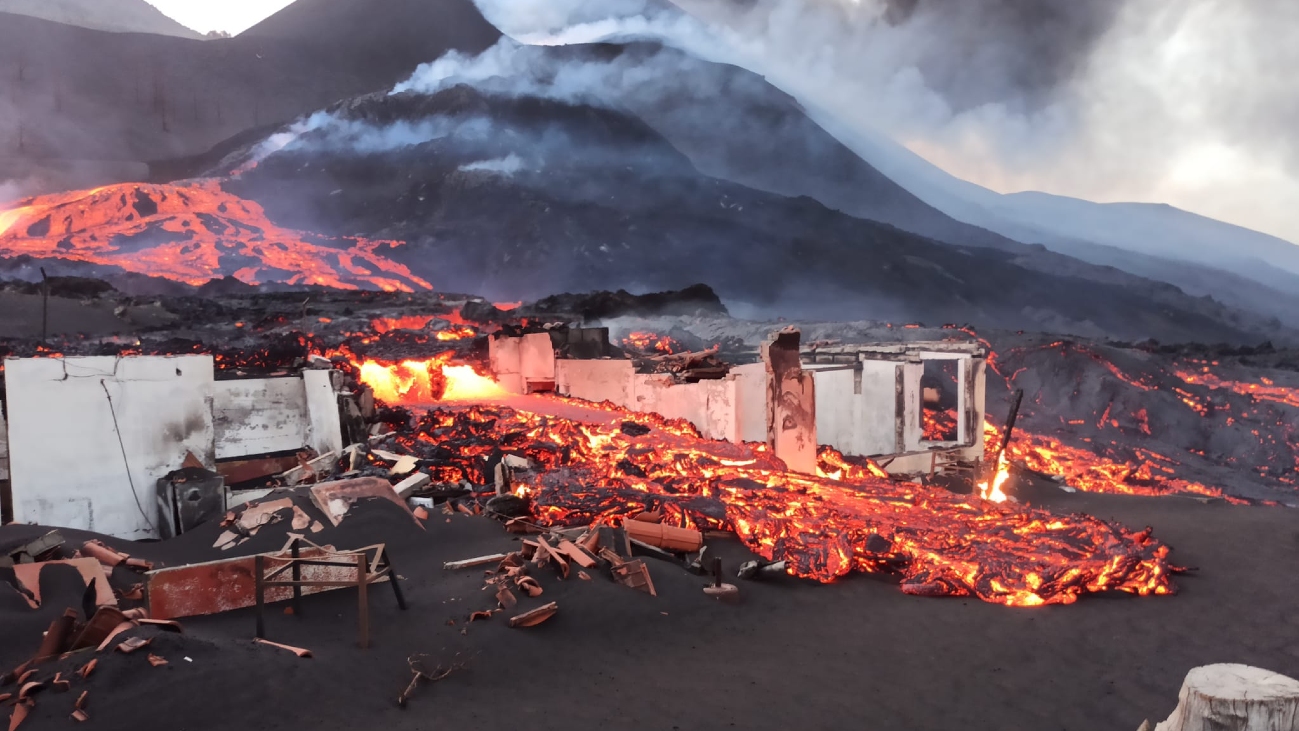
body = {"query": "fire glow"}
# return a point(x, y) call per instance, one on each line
point(938, 543)
point(434, 380)
point(647, 342)
point(193, 233)
point(1089, 472)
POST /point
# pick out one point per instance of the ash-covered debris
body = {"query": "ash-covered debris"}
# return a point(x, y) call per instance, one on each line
point(695, 300)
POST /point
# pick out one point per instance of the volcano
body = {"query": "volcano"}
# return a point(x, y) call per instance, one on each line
point(502, 189)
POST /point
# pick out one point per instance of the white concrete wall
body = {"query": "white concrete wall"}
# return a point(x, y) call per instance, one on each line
point(503, 355)
point(260, 415)
point(596, 380)
point(861, 421)
point(537, 358)
point(66, 463)
point(750, 401)
point(4, 446)
point(324, 426)
point(912, 431)
point(709, 405)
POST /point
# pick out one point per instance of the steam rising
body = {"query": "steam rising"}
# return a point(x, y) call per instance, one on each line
point(508, 165)
point(1189, 103)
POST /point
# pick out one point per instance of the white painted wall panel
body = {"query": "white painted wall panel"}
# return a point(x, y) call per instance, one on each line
point(751, 401)
point(260, 415)
point(709, 405)
point(67, 468)
point(877, 409)
point(4, 446)
point(595, 380)
point(537, 358)
point(325, 428)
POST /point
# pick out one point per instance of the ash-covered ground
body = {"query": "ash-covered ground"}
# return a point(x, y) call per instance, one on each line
point(791, 652)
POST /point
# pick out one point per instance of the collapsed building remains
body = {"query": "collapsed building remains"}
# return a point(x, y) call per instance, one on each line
point(911, 408)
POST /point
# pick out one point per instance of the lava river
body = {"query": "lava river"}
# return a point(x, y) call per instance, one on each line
point(937, 543)
point(192, 232)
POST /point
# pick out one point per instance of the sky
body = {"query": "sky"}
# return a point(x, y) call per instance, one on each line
point(231, 16)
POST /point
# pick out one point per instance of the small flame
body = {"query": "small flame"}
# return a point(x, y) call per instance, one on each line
point(994, 493)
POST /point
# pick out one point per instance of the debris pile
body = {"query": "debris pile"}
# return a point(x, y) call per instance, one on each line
point(81, 634)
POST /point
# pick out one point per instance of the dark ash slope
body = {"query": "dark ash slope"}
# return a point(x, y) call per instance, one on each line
point(518, 196)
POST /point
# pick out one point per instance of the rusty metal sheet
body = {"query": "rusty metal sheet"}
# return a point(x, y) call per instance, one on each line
point(29, 578)
point(336, 498)
point(220, 586)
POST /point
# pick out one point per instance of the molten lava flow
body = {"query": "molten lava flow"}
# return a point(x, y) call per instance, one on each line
point(1151, 474)
point(833, 464)
point(937, 542)
point(411, 382)
point(1266, 391)
point(193, 233)
point(938, 425)
point(507, 306)
point(405, 322)
point(646, 342)
point(456, 333)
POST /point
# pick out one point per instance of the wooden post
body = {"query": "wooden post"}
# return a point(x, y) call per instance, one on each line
point(1230, 697)
point(362, 589)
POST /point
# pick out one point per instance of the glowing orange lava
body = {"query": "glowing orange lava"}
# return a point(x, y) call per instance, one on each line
point(405, 322)
point(993, 491)
point(411, 382)
point(1266, 391)
point(647, 342)
point(940, 544)
point(193, 233)
point(1151, 474)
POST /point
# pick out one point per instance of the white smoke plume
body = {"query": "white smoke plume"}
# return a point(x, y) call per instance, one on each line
point(1189, 103)
point(507, 166)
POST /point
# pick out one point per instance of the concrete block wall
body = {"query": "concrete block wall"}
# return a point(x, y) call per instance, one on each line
point(89, 437)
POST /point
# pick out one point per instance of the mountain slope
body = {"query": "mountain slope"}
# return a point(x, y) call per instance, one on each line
point(117, 16)
point(1062, 223)
point(735, 125)
point(70, 95)
point(517, 196)
point(390, 37)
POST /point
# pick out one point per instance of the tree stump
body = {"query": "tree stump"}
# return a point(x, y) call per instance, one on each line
point(1230, 697)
